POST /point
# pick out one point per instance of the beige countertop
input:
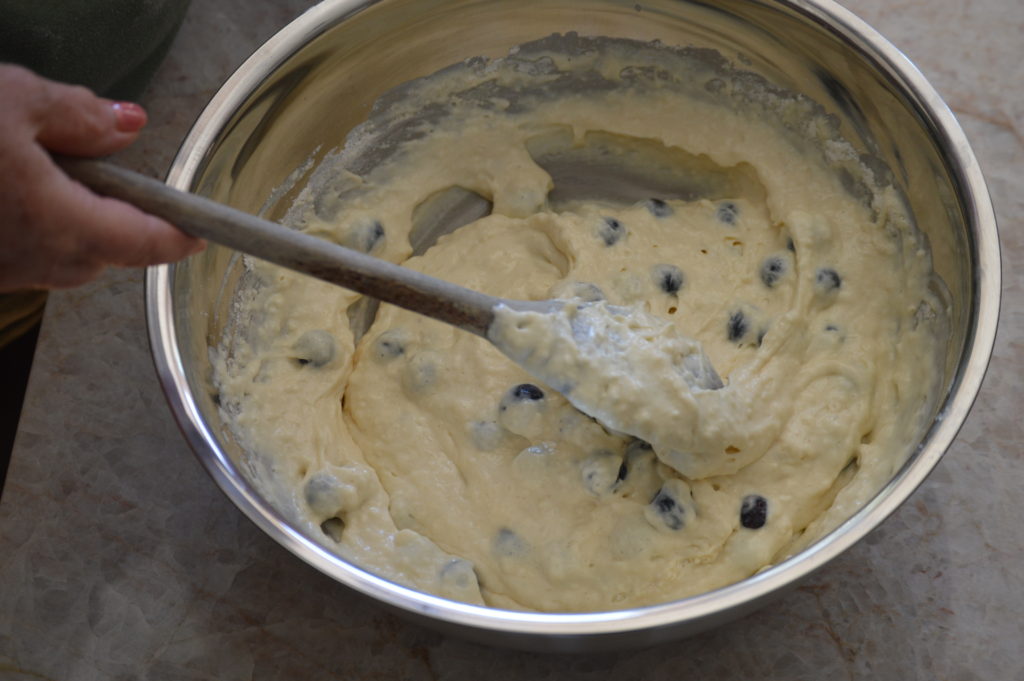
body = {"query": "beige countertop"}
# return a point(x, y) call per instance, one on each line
point(120, 558)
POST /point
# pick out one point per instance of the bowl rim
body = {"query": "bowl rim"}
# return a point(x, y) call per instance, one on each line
point(740, 596)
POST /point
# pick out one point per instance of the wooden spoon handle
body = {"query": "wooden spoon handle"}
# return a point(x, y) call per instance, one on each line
point(201, 217)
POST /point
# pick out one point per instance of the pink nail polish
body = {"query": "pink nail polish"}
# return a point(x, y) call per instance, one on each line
point(130, 116)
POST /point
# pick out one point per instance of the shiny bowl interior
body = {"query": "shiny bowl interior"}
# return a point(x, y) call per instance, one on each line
point(297, 97)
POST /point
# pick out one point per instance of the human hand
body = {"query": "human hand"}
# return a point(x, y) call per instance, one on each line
point(55, 233)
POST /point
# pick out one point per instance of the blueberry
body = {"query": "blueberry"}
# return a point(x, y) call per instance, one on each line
point(636, 451)
point(314, 348)
point(365, 237)
point(324, 494)
point(638, 473)
point(527, 391)
point(835, 333)
point(790, 246)
point(389, 345)
point(668, 278)
point(737, 326)
point(421, 372)
point(727, 212)
point(458, 573)
point(611, 231)
point(753, 511)
point(828, 279)
point(658, 208)
point(772, 270)
point(508, 543)
point(668, 509)
point(522, 411)
point(600, 472)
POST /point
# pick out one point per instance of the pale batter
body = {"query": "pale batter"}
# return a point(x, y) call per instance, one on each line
point(425, 455)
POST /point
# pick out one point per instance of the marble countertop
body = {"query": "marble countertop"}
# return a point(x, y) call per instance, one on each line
point(120, 559)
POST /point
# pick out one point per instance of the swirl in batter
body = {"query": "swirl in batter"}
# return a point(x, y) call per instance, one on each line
point(423, 454)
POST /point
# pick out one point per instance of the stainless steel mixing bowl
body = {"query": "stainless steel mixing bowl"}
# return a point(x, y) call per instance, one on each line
point(298, 96)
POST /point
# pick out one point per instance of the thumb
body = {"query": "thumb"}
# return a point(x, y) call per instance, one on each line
point(72, 120)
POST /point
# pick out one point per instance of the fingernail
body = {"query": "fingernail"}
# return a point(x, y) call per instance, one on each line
point(130, 116)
